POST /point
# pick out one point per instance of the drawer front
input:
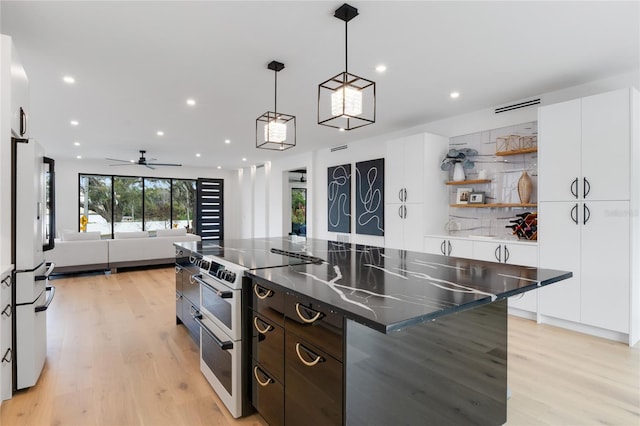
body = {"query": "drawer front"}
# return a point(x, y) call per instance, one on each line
point(313, 387)
point(267, 345)
point(190, 288)
point(188, 321)
point(178, 307)
point(267, 395)
point(179, 277)
point(315, 323)
point(268, 302)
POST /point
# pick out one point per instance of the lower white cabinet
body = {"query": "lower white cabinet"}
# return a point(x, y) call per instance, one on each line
point(455, 247)
point(404, 226)
point(6, 352)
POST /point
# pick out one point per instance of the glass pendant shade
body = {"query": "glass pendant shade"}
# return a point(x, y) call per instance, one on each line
point(275, 131)
point(346, 100)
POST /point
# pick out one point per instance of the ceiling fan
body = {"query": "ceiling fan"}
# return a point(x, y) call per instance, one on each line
point(142, 161)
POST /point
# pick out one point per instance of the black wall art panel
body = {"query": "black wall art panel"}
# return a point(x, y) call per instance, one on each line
point(370, 197)
point(339, 198)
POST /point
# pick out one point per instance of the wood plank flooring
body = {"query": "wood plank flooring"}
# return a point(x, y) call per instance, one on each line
point(116, 357)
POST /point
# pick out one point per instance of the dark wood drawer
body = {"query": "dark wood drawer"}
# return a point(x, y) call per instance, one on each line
point(267, 395)
point(188, 321)
point(268, 302)
point(267, 345)
point(315, 323)
point(313, 384)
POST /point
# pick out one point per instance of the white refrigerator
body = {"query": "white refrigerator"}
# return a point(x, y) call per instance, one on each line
point(33, 201)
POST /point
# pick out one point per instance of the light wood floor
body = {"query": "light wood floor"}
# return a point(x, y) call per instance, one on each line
point(116, 357)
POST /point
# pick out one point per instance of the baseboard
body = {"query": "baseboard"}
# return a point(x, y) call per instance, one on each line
point(522, 314)
point(586, 329)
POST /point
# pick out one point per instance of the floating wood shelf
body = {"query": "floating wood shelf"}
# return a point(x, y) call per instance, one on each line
point(517, 151)
point(494, 205)
point(468, 182)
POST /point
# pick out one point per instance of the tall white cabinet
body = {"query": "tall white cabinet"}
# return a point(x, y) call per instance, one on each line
point(415, 198)
point(588, 212)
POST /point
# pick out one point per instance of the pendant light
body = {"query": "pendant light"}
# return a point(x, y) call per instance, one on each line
point(275, 130)
point(346, 101)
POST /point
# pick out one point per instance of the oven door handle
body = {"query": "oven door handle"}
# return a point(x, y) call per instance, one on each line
point(52, 292)
point(219, 293)
point(225, 346)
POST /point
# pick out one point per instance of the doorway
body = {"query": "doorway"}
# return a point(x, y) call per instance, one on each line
point(298, 201)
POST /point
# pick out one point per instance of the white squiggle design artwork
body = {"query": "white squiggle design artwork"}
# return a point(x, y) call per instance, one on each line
point(338, 198)
point(435, 264)
point(370, 198)
point(520, 278)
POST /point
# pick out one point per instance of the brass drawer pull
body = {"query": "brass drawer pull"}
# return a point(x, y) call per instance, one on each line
point(260, 296)
point(307, 320)
point(260, 382)
point(8, 356)
point(261, 330)
point(305, 362)
point(7, 311)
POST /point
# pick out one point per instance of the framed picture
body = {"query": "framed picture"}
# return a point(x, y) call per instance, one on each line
point(462, 196)
point(476, 198)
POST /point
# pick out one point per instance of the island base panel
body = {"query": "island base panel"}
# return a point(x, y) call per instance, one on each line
point(452, 370)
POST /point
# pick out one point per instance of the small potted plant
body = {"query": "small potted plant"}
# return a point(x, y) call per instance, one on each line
point(459, 160)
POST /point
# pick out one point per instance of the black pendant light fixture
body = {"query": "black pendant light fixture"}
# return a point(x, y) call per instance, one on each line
point(275, 130)
point(346, 101)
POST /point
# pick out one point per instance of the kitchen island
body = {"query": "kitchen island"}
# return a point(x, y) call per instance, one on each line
point(367, 335)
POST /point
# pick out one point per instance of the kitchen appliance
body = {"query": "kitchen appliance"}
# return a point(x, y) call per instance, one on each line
point(33, 231)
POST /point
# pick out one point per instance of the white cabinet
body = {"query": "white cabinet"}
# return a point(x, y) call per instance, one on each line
point(19, 97)
point(6, 352)
point(410, 163)
point(455, 247)
point(589, 191)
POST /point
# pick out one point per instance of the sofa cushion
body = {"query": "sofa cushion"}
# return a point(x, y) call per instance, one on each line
point(80, 236)
point(133, 234)
point(171, 232)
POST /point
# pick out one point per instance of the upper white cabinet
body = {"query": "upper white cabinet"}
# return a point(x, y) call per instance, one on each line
point(413, 175)
point(19, 96)
point(588, 217)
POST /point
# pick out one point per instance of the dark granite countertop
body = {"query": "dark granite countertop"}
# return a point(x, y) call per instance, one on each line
point(385, 289)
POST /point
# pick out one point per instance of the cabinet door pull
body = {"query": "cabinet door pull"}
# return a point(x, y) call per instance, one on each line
point(586, 214)
point(497, 252)
point(405, 211)
point(586, 187)
point(260, 382)
point(178, 269)
point(7, 311)
point(307, 320)
point(260, 295)
point(8, 356)
point(7, 281)
point(265, 330)
point(400, 212)
point(506, 254)
point(574, 214)
point(574, 188)
point(317, 358)
point(400, 194)
point(23, 122)
point(450, 248)
point(442, 247)
point(405, 195)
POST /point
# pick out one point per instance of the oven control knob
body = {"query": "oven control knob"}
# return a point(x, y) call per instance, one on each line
point(231, 277)
point(220, 273)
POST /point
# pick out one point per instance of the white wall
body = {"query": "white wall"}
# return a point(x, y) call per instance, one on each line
point(67, 196)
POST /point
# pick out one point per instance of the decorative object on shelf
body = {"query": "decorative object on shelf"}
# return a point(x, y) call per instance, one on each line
point(339, 198)
point(275, 130)
point(370, 197)
point(462, 195)
point(525, 227)
point(346, 101)
point(476, 198)
point(468, 182)
point(84, 220)
point(516, 144)
point(459, 160)
point(525, 187)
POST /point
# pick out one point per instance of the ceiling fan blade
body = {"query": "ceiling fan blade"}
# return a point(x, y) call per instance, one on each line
point(115, 159)
point(116, 165)
point(164, 164)
point(149, 166)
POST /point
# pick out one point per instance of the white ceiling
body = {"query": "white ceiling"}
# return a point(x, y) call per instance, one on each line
point(135, 64)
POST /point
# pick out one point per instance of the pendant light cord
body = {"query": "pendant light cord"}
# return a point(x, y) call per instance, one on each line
point(346, 55)
point(275, 96)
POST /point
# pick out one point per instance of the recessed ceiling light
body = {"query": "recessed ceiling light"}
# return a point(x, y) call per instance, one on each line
point(381, 68)
point(74, 123)
point(191, 102)
point(227, 141)
point(219, 167)
point(160, 133)
point(76, 143)
point(132, 161)
point(79, 157)
point(341, 129)
point(454, 95)
point(244, 159)
point(68, 79)
point(198, 155)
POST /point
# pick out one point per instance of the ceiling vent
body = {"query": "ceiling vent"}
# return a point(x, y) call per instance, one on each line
point(519, 105)
point(339, 148)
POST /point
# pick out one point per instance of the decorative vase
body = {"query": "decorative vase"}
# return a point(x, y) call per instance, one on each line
point(458, 172)
point(524, 188)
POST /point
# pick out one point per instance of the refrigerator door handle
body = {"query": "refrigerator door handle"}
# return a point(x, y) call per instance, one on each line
point(52, 292)
point(51, 267)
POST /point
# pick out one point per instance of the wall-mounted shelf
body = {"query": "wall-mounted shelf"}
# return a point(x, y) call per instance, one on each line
point(468, 182)
point(517, 151)
point(494, 205)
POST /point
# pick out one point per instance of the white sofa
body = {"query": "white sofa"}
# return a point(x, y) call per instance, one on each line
point(86, 251)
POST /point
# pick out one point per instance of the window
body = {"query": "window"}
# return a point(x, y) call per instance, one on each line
point(299, 211)
point(127, 203)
